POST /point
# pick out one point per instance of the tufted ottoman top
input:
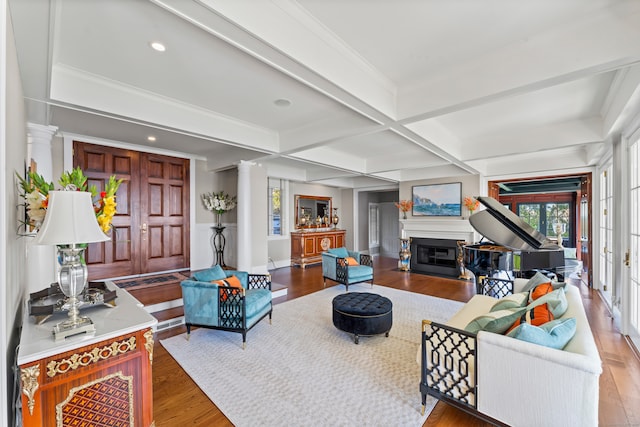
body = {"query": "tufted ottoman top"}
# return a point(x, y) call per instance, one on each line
point(362, 304)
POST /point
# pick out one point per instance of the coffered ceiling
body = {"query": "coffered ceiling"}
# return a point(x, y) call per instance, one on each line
point(375, 92)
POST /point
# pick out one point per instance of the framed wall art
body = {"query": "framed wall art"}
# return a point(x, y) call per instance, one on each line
point(437, 199)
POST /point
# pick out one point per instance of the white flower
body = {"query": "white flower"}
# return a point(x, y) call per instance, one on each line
point(35, 210)
point(218, 202)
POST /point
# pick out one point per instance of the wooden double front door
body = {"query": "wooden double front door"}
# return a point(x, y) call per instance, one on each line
point(151, 228)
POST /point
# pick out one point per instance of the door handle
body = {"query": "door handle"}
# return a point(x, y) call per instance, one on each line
point(144, 227)
point(627, 259)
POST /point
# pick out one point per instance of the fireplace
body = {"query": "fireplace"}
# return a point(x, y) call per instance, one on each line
point(435, 256)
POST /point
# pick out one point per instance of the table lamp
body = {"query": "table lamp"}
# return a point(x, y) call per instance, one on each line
point(70, 221)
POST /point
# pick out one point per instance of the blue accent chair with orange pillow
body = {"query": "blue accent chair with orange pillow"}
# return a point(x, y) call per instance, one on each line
point(227, 300)
point(346, 267)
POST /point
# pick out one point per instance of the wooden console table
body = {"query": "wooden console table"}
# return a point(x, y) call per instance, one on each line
point(307, 246)
point(104, 379)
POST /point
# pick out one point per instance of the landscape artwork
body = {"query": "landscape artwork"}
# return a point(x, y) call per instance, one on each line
point(437, 199)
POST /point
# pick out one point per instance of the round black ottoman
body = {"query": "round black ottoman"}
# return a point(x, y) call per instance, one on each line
point(362, 313)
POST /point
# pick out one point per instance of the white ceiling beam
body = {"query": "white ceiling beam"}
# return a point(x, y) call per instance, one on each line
point(432, 172)
point(622, 100)
point(326, 131)
point(564, 53)
point(548, 137)
point(294, 32)
point(341, 159)
point(531, 163)
point(279, 39)
point(80, 88)
point(382, 164)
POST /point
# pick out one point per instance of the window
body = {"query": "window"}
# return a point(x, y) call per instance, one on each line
point(374, 225)
point(551, 219)
point(275, 195)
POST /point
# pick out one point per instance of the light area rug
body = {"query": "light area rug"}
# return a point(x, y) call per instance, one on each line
point(302, 371)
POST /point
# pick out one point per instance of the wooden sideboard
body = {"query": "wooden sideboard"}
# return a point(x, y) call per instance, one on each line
point(99, 380)
point(307, 246)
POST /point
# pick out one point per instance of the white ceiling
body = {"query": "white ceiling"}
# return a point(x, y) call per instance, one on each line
point(381, 91)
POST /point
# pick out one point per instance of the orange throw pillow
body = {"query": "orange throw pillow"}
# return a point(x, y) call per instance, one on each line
point(229, 282)
point(537, 316)
point(540, 290)
point(351, 261)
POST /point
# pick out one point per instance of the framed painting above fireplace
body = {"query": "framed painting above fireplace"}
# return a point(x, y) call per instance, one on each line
point(437, 199)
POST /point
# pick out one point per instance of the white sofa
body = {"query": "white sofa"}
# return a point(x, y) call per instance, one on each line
point(508, 381)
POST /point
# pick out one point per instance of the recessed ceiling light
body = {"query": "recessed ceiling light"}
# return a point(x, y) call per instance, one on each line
point(158, 46)
point(151, 138)
point(282, 102)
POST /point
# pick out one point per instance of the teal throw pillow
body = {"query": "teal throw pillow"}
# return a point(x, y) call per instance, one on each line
point(556, 302)
point(339, 252)
point(495, 321)
point(536, 280)
point(555, 334)
point(210, 274)
point(516, 300)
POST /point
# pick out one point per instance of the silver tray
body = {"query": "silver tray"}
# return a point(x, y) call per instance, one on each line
point(47, 302)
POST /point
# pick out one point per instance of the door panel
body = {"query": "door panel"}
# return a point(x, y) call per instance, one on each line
point(115, 257)
point(151, 228)
point(164, 212)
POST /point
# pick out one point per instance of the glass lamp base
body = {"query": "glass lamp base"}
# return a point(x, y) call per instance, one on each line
point(77, 326)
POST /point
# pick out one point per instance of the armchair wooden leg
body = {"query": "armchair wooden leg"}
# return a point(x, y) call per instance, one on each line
point(188, 332)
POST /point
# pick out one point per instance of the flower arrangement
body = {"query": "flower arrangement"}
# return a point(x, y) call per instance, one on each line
point(218, 203)
point(35, 191)
point(404, 206)
point(471, 203)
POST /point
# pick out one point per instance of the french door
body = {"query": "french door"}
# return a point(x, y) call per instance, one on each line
point(151, 228)
point(632, 257)
point(607, 244)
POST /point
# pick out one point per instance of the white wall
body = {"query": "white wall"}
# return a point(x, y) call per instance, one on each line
point(13, 147)
point(279, 248)
point(206, 182)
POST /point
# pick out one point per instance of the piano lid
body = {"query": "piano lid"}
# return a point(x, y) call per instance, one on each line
point(500, 225)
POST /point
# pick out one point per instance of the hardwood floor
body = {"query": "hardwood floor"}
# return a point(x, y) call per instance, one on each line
point(179, 401)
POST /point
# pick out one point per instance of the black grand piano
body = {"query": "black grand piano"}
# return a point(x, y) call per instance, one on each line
point(513, 247)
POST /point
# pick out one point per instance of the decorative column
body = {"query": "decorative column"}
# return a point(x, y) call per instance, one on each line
point(244, 260)
point(39, 139)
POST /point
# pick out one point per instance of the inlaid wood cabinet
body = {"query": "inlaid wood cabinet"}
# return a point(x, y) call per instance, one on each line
point(307, 246)
point(100, 380)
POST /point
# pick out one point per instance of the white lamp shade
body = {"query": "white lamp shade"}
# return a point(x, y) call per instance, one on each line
point(70, 219)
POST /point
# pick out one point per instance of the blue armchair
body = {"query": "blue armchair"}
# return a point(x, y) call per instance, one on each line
point(335, 266)
point(215, 306)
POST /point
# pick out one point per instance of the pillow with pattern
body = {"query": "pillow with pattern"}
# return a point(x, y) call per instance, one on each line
point(229, 282)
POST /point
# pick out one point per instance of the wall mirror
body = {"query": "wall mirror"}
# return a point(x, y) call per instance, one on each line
point(309, 208)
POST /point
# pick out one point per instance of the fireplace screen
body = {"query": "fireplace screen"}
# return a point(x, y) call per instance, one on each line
point(434, 256)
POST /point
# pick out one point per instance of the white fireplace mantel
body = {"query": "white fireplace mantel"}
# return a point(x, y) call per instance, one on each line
point(457, 229)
